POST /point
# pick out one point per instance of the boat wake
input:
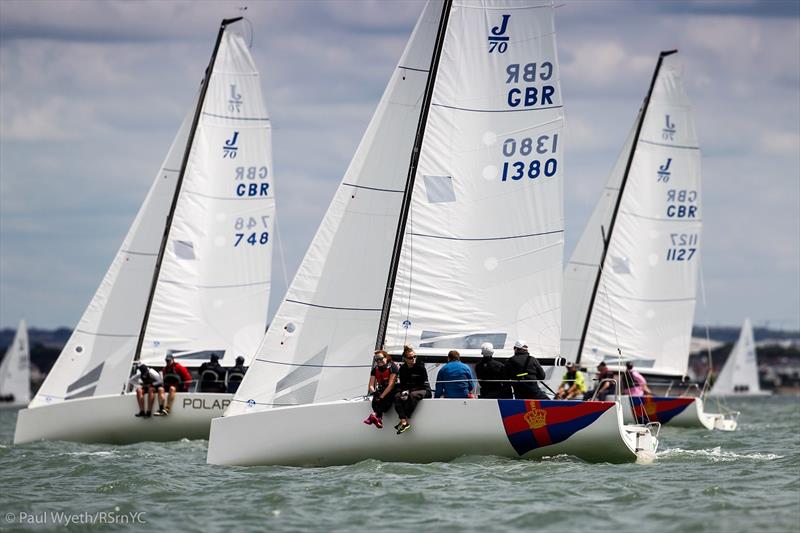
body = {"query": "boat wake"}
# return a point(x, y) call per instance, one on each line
point(717, 454)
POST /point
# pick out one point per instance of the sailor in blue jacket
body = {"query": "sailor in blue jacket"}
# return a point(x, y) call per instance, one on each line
point(455, 379)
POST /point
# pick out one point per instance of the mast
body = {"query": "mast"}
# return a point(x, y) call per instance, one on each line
point(412, 173)
point(607, 237)
point(165, 238)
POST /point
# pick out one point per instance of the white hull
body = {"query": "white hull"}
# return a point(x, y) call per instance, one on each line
point(693, 415)
point(110, 419)
point(333, 434)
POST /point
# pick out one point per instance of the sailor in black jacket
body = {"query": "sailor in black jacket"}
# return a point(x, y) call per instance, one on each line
point(413, 387)
point(524, 371)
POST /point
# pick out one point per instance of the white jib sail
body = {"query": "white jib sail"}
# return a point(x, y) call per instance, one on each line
point(213, 287)
point(320, 343)
point(483, 245)
point(15, 370)
point(740, 373)
point(97, 357)
point(645, 299)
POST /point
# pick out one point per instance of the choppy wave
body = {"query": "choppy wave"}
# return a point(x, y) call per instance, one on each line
point(720, 482)
point(717, 453)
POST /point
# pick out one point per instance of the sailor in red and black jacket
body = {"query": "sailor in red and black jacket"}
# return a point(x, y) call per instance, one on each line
point(176, 378)
point(382, 379)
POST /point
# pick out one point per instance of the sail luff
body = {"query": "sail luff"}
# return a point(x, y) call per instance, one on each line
point(412, 172)
point(187, 152)
point(620, 194)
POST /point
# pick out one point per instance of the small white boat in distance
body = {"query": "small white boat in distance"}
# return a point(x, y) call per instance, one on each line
point(445, 232)
point(192, 276)
point(739, 375)
point(15, 371)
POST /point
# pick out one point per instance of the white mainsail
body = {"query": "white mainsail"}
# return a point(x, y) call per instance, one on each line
point(211, 293)
point(486, 118)
point(483, 244)
point(213, 288)
point(644, 299)
point(319, 344)
point(739, 375)
point(15, 370)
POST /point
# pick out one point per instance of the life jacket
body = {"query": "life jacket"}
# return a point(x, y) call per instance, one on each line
point(382, 376)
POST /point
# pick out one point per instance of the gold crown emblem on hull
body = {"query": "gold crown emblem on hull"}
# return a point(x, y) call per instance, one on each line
point(535, 418)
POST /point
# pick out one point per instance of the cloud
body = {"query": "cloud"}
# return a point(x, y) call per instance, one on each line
point(93, 92)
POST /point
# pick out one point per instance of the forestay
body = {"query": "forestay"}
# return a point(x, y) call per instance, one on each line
point(15, 370)
point(740, 373)
point(209, 275)
point(483, 244)
point(645, 298)
point(320, 342)
point(213, 287)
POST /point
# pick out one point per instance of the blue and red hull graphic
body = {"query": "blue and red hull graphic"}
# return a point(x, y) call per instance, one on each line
point(658, 408)
point(531, 424)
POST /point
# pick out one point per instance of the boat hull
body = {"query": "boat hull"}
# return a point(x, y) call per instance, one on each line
point(110, 419)
point(333, 433)
point(675, 411)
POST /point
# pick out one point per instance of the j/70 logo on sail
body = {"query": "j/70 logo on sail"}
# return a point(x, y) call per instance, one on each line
point(663, 171)
point(498, 40)
point(234, 104)
point(229, 149)
point(668, 133)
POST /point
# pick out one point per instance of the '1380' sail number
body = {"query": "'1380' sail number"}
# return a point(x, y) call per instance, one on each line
point(541, 146)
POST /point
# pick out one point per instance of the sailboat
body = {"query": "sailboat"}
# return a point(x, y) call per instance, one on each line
point(192, 276)
point(15, 371)
point(739, 375)
point(630, 284)
point(445, 232)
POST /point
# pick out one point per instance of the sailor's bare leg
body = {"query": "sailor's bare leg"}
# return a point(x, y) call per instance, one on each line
point(140, 397)
point(171, 397)
point(161, 397)
point(150, 397)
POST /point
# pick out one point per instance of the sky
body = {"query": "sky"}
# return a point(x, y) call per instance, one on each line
point(92, 93)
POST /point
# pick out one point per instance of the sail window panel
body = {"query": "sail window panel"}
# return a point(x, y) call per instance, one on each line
point(184, 250)
point(304, 372)
point(439, 189)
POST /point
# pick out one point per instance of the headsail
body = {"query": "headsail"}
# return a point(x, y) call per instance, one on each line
point(483, 245)
point(15, 370)
point(644, 300)
point(319, 344)
point(204, 277)
point(739, 375)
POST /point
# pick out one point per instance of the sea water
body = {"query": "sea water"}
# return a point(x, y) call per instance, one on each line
point(748, 480)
